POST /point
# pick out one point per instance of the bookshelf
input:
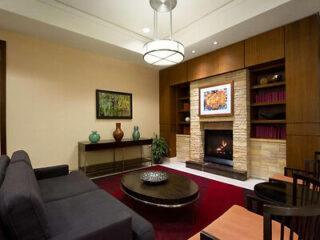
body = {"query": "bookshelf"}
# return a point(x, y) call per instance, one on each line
point(268, 101)
point(183, 108)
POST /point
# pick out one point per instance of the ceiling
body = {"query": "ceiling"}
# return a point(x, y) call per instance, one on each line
point(115, 28)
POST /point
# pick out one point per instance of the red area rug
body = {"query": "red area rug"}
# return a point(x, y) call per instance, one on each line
point(180, 224)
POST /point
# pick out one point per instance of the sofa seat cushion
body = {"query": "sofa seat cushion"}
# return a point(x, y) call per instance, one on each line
point(21, 207)
point(142, 229)
point(86, 213)
point(65, 186)
point(4, 162)
point(241, 224)
point(94, 206)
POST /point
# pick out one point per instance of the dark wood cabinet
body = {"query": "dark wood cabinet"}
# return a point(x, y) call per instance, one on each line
point(302, 70)
point(178, 74)
point(221, 61)
point(300, 148)
point(265, 47)
point(303, 87)
point(167, 99)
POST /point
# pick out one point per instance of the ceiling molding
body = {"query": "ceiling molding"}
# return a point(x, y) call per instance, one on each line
point(115, 35)
point(97, 17)
point(202, 17)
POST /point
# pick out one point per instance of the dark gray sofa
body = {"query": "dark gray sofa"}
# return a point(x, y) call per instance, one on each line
point(50, 203)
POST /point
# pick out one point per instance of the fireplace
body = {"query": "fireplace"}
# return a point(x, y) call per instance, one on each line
point(219, 147)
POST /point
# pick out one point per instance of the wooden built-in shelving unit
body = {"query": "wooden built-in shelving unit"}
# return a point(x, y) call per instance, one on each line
point(183, 108)
point(268, 103)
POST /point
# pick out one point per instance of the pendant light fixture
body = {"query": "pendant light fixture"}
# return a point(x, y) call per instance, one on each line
point(163, 52)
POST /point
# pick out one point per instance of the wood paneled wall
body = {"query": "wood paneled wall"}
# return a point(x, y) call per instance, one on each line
point(3, 133)
point(178, 73)
point(266, 47)
point(303, 90)
point(298, 43)
point(224, 60)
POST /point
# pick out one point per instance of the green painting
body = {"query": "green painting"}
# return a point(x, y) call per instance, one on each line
point(113, 105)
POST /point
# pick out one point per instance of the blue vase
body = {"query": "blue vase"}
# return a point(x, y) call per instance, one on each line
point(136, 134)
point(94, 137)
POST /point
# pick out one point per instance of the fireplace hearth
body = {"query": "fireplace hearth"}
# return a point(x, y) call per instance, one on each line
point(219, 147)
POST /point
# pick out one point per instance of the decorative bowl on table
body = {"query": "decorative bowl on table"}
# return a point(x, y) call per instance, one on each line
point(154, 177)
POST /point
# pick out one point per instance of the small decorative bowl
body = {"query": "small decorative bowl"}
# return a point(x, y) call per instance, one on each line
point(154, 177)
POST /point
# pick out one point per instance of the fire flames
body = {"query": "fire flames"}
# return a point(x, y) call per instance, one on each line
point(221, 148)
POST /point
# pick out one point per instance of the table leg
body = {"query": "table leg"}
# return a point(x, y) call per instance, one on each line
point(85, 163)
point(141, 154)
point(79, 160)
point(122, 159)
point(114, 159)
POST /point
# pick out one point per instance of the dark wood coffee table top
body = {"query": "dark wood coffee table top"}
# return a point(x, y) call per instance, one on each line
point(177, 191)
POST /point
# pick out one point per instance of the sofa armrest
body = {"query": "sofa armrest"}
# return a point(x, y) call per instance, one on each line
point(50, 172)
point(120, 228)
point(207, 236)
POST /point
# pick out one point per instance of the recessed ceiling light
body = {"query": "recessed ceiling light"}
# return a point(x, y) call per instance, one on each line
point(215, 42)
point(146, 30)
point(193, 51)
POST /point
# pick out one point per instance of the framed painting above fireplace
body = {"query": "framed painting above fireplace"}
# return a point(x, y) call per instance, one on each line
point(216, 100)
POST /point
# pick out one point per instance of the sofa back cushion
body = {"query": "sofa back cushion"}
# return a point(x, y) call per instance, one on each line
point(21, 207)
point(4, 162)
point(21, 156)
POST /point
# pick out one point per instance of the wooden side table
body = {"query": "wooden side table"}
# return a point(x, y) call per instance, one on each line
point(86, 146)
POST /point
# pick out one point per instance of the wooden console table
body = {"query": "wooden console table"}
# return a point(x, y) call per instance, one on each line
point(114, 166)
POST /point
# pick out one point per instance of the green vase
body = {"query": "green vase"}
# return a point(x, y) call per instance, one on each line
point(136, 134)
point(94, 137)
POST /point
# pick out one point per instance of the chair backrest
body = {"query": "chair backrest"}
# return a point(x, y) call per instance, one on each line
point(306, 190)
point(312, 166)
point(303, 222)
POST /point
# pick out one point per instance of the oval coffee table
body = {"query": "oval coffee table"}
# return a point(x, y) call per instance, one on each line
point(177, 191)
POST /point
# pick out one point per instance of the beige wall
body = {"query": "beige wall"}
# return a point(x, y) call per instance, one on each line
point(51, 98)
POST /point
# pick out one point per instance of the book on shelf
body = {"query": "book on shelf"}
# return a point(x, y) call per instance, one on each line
point(270, 132)
point(274, 96)
point(186, 130)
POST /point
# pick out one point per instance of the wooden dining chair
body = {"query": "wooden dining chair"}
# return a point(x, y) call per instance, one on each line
point(303, 222)
point(306, 190)
point(312, 168)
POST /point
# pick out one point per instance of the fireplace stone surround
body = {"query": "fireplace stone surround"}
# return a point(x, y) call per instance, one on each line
point(259, 158)
point(239, 122)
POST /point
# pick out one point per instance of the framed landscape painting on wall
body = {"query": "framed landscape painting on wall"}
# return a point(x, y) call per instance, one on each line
point(216, 100)
point(113, 105)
